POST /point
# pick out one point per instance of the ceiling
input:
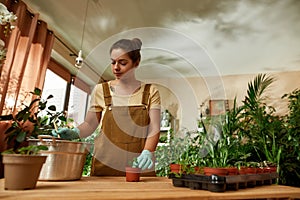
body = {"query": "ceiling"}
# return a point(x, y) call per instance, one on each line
point(181, 38)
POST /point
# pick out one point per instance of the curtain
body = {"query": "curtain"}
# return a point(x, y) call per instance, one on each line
point(28, 53)
point(29, 48)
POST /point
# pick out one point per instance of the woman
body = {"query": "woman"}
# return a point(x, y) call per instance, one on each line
point(129, 113)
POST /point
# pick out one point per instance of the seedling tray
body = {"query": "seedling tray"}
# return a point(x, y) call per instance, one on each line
point(215, 183)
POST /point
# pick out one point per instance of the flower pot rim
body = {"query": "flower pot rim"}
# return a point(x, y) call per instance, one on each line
point(133, 169)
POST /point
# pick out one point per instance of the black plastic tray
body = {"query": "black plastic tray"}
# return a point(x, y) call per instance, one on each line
point(215, 183)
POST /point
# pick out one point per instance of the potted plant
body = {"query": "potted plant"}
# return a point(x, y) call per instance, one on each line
point(132, 171)
point(22, 125)
point(290, 150)
point(182, 153)
point(220, 145)
point(33, 125)
point(22, 167)
point(28, 122)
point(261, 126)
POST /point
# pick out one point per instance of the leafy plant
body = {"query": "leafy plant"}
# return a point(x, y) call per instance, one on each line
point(133, 163)
point(291, 143)
point(89, 157)
point(29, 121)
point(262, 127)
point(221, 150)
point(28, 150)
point(178, 151)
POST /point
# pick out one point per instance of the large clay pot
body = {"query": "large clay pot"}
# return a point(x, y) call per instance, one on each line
point(4, 125)
point(22, 171)
point(133, 174)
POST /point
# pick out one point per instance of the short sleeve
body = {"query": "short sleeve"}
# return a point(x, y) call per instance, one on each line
point(97, 99)
point(154, 98)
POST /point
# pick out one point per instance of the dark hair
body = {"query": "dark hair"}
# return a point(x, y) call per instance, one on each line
point(132, 47)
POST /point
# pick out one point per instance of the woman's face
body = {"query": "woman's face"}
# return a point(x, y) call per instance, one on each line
point(121, 63)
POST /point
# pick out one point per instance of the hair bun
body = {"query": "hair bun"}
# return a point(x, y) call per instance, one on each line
point(137, 42)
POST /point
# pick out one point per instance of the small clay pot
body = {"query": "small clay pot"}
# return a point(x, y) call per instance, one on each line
point(247, 170)
point(133, 174)
point(175, 168)
point(208, 171)
point(232, 170)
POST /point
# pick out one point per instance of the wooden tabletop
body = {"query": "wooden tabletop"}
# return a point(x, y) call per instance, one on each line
point(149, 188)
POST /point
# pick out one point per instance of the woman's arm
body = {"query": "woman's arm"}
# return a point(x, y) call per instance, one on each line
point(91, 122)
point(154, 130)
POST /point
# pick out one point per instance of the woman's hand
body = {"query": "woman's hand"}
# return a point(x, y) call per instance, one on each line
point(67, 133)
point(145, 160)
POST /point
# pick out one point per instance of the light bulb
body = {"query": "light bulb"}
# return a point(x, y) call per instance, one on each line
point(79, 60)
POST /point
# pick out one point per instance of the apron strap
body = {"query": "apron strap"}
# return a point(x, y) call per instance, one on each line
point(146, 94)
point(107, 95)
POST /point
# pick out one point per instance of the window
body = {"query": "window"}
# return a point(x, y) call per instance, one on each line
point(56, 86)
point(77, 96)
point(77, 104)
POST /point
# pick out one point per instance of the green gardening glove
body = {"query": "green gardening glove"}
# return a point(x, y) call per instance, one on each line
point(67, 133)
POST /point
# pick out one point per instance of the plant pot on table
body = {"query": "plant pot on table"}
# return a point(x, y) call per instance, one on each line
point(133, 174)
point(220, 171)
point(175, 168)
point(21, 172)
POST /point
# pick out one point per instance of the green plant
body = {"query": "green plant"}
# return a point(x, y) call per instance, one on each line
point(174, 152)
point(32, 120)
point(273, 137)
point(89, 157)
point(133, 163)
point(290, 151)
point(28, 150)
point(262, 127)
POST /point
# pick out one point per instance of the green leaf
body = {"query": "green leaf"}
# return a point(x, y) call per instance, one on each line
point(62, 118)
point(52, 108)
point(21, 137)
point(6, 117)
point(42, 105)
point(50, 96)
point(37, 91)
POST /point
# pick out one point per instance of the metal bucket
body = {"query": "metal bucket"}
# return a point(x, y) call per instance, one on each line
point(65, 159)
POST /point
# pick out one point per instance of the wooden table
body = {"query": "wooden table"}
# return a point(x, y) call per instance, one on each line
point(149, 188)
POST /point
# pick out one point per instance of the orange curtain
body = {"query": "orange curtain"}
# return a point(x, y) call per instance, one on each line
point(29, 50)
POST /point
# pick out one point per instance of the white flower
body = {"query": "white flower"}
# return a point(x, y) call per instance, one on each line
point(7, 17)
point(2, 44)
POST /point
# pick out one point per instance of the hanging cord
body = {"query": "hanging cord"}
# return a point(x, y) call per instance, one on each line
point(82, 37)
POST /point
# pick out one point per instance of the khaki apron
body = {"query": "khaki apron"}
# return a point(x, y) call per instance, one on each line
point(123, 135)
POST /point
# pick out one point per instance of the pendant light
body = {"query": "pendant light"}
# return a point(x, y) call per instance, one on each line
point(79, 59)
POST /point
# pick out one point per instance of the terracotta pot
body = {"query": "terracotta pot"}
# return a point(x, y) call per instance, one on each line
point(4, 125)
point(133, 174)
point(175, 168)
point(232, 170)
point(198, 170)
point(270, 169)
point(22, 171)
point(260, 170)
point(208, 171)
point(247, 170)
